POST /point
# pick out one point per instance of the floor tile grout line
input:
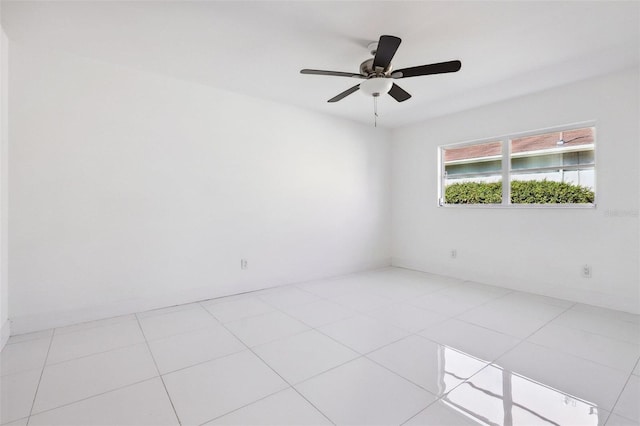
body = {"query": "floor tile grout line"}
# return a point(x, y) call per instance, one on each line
point(488, 365)
point(279, 375)
point(296, 333)
point(608, 336)
point(66, 404)
point(602, 315)
point(360, 355)
point(352, 348)
point(44, 365)
point(295, 389)
point(496, 365)
point(296, 284)
point(416, 414)
point(523, 340)
point(613, 407)
point(185, 331)
point(282, 311)
point(351, 315)
point(486, 302)
point(440, 397)
point(328, 370)
point(250, 293)
point(94, 353)
point(87, 355)
point(283, 287)
point(491, 329)
point(174, 309)
point(407, 302)
point(158, 370)
point(56, 330)
point(73, 359)
point(366, 355)
point(247, 317)
point(457, 317)
point(81, 356)
point(596, 332)
point(526, 339)
point(406, 378)
point(600, 334)
point(229, 354)
point(135, 314)
point(188, 331)
point(577, 356)
point(9, 343)
point(276, 310)
point(316, 329)
point(632, 422)
point(273, 309)
point(635, 366)
point(473, 356)
point(204, 362)
point(270, 367)
point(295, 304)
point(244, 406)
point(15, 420)
point(373, 292)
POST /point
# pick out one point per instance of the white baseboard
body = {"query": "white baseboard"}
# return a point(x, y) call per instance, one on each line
point(523, 284)
point(38, 322)
point(44, 321)
point(5, 332)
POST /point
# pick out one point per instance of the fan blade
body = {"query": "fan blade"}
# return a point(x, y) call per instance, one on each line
point(398, 93)
point(345, 93)
point(439, 68)
point(387, 46)
point(332, 73)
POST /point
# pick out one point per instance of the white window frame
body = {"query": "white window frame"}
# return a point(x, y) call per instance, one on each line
point(506, 170)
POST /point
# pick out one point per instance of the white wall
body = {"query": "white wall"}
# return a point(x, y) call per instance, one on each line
point(535, 250)
point(4, 299)
point(130, 191)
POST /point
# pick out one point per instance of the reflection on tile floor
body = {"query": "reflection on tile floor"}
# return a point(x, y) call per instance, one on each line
point(385, 347)
point(499, 396)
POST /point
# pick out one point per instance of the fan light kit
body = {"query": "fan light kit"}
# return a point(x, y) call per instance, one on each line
point(375, 86)
point(378, 75)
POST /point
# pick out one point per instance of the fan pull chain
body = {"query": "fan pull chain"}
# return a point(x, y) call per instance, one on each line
point(375, 110)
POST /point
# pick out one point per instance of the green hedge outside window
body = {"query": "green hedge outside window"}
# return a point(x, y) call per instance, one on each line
point(522, 192)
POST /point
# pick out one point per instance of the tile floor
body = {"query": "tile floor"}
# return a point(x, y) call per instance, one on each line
point(386, 347)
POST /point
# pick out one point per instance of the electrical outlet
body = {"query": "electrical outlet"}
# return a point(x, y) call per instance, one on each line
point(243, 264)
point(454, 253)
point(586, 271)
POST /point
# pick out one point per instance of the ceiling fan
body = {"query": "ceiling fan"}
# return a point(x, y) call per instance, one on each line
point(378, 74)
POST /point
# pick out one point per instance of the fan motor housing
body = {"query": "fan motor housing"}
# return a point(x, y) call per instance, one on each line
point(366, 68)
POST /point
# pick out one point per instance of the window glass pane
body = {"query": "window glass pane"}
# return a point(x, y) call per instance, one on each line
point(473, 174)
point(554, 168)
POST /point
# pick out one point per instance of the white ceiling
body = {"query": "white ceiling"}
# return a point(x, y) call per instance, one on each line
point(507, 49)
